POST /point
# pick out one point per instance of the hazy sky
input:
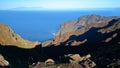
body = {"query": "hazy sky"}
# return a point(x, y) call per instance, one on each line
point(59, 4)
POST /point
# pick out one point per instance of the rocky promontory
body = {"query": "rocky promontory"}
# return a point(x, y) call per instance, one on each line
point(83, 25)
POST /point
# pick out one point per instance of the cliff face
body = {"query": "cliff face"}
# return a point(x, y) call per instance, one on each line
point(8, 37)
point(83, 25)
point(83, 21)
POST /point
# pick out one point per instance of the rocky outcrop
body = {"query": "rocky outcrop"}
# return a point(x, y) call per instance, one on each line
point(78, 58)
point(49, 62)
point(111, 37)
point(111, 27)
point(64, 27)
point(84, 60)
point(45, 44)
point(3, 62)
point(8, 37)
point(75, 62)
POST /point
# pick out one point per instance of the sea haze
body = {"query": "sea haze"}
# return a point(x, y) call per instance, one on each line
point(42, 25)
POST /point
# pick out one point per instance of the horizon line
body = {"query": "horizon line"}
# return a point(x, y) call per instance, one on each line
point(48, 9)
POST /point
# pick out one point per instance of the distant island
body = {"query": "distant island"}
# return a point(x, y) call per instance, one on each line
point(47, 9)
point(27, 8)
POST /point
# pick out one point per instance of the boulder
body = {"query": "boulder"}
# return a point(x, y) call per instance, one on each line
point(49, 62)
point(3, 62)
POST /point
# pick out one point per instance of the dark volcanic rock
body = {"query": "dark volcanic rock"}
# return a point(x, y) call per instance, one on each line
point(19, 57)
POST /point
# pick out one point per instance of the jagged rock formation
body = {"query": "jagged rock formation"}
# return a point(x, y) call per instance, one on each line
point(8, 37)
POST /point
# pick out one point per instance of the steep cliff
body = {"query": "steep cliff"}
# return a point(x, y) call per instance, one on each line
point(83, 25)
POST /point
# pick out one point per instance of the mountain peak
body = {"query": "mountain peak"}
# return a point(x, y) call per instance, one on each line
point(93, 18)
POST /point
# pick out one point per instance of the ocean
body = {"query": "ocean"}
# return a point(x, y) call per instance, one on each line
point(42, 25)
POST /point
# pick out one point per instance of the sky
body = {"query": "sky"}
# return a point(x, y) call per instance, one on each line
point(58, 4)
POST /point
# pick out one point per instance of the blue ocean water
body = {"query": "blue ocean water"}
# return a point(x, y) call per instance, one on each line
point(41, 25)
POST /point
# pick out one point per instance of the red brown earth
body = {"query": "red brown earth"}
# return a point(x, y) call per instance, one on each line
point(8, 37)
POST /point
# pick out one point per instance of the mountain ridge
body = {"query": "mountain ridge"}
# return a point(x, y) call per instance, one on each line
point(81, 26)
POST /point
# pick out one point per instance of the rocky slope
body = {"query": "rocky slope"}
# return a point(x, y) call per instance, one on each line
point(81, 26)
point(8, 37)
